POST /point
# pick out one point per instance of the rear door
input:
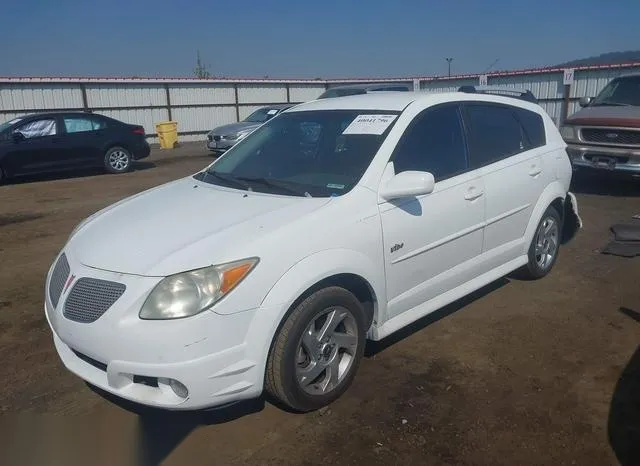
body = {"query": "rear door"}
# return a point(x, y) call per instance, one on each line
point(510, 162)
point(84, 139)
point(39, 148)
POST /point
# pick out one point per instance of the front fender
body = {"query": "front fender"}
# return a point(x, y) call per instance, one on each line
point(324, 264)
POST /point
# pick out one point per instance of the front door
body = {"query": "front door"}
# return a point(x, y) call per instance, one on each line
point(431, 241)
point(35, 146)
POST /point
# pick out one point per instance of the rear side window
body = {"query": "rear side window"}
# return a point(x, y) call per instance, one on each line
point(495, 133)
point(83, 124)
point(533, 127)
point(434, 142)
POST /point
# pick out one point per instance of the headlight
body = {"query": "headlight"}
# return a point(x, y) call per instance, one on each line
point(188, 293)
point(239, 135)
point(568, 133)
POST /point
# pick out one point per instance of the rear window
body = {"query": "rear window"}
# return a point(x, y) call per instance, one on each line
point(533, 127)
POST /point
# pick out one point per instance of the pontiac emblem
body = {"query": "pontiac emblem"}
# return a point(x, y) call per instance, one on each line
point(612, 135)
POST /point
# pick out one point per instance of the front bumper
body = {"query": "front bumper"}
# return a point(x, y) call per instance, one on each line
point(221, 145)
point(612, 159)
point(218, 358)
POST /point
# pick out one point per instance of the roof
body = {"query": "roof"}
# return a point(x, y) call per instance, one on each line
point(368, 85)
point(397, 101)
point(390, 101)
point(55, 113)
point(278, 106)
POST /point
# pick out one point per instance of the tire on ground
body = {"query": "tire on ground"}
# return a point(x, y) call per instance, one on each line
point(117, 160)
point(534, 270)
point(280, 378)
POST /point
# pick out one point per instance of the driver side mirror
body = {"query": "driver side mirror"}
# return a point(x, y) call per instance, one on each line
point(584, 101)
point(17, 137)
point(408, 184)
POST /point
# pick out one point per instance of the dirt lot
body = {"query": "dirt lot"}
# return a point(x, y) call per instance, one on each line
point(540, 372)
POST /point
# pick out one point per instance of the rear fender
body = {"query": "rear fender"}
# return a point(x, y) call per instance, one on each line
point(553, 191)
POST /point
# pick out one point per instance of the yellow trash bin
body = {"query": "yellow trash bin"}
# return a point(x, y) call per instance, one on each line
point(168, 134)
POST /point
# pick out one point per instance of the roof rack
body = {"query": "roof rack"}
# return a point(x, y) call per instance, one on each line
point(522, 94)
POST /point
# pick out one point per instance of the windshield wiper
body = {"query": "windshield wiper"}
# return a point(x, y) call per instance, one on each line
point(229, 179)
point(278, 184)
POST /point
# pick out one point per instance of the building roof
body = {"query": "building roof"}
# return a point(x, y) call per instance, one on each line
point(318, 81)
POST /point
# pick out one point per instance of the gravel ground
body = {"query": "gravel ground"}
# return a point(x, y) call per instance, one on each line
point(522, 373)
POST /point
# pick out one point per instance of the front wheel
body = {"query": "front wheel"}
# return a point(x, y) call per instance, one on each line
point(317, 350)
point(117, 160)
point(545, 245)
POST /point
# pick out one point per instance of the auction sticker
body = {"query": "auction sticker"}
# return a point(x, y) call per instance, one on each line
point(369, 124)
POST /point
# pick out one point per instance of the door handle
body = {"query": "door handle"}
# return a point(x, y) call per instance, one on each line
point(535, 170)
point(472, 195)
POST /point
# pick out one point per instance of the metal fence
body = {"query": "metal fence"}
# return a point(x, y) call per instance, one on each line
point(200, 105)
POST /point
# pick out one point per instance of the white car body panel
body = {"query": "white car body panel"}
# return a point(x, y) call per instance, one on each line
point(415, 255)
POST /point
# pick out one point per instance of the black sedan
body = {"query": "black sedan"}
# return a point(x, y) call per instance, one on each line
point(68, 141)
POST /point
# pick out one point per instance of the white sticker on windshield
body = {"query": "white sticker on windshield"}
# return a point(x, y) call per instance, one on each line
point(369, 124)
point(272, 112)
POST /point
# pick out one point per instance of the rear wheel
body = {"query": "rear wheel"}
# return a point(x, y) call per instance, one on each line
point(545, 245)
point(317, 351)
point(117, 160)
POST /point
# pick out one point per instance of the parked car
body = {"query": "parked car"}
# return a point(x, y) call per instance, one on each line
point(50, 142)
point(358, 89)
point(605, 134)
point(223, 138)
point(341, 220)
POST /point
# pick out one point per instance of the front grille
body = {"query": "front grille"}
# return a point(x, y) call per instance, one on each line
point(611, 136)
point(59, 277)
point(216, 138)
point(618, 158)
point(90, 298)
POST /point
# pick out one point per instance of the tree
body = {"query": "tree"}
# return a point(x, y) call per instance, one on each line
point(201, 71)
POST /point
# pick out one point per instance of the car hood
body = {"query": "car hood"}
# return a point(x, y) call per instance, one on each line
point(181, 226)
point(234, 128)
point(607, 116)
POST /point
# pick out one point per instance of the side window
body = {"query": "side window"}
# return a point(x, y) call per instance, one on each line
point(433, 142)
point(495, 133)
point(38, 128)
point(82, 124)
point(533, 127)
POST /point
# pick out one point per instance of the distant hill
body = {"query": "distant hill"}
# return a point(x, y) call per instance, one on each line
point(611, 58)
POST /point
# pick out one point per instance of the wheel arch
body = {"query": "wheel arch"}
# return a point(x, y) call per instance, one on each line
point(348, 269)
point(553, 195)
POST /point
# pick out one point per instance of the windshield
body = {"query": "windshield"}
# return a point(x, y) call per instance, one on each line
point(262, 115)
point(7, 124)
point(310, 153)
point(620, 91)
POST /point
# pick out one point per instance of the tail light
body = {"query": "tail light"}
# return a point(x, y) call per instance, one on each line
point(139, 130)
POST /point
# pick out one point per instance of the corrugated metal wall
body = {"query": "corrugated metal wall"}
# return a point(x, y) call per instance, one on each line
point(200, 105)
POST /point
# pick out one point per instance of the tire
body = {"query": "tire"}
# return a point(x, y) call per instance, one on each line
point(305, 379)
point(117, 160)
point(545, 245)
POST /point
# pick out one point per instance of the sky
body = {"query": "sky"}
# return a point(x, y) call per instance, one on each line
point(306, 39)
